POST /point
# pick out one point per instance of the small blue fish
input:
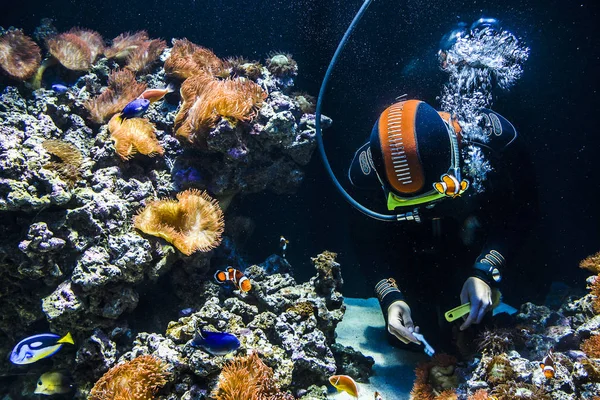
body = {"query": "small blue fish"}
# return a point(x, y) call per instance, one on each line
point(60, 88)
point(136, 108)
point(34, 348)
point(186, 312)
point(216, 343)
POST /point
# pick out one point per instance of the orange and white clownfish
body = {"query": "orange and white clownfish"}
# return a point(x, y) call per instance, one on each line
point(547, 366)
point(235, 276)
point(450, 186)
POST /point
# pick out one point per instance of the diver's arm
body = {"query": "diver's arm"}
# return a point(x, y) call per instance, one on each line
point(396, 312)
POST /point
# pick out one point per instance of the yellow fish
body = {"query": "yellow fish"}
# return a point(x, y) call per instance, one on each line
point(344, 383)
point(53, 382)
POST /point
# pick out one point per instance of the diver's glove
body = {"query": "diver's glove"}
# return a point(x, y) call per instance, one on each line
point(400, 323)
point(479, 294)
point(395, 310)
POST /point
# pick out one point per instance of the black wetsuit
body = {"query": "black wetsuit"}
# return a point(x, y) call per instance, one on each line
point(431, 260)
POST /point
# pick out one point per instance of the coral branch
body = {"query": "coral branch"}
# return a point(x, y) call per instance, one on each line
point(591, 263)
point(20, 57)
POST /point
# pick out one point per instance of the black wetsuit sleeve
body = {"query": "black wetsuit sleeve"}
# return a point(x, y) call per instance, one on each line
point(509, 209)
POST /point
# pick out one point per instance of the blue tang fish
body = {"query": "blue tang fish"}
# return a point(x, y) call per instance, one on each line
point(216, 343)
point(136, 108)
point(59, 88)
point(34, 348)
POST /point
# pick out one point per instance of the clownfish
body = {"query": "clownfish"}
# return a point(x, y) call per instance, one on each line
point(344, 383)
point(547, 366)
point(377, 396)
point(154, 95)
point(450, 186)
point(236, 276)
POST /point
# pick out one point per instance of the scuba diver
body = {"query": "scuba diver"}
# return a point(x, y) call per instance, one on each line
point(460, 189)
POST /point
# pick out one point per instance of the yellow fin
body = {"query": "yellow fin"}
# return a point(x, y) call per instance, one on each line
point(66, 339)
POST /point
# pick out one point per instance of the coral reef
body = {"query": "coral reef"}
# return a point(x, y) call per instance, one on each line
point(137, 379)
point(20, 57)
point(71, 258)
point(193, 222)
point(591, 263)
point(248, 378)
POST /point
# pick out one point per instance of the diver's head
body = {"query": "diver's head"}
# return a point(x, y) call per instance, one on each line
point(413, 153)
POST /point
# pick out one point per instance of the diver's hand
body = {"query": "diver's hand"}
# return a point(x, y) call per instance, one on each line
point(479, 294)
point(400, 323)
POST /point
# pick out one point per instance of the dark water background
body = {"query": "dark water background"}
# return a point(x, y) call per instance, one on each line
point(554, 106)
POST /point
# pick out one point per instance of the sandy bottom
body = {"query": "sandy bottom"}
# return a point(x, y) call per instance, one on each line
point(393, 373)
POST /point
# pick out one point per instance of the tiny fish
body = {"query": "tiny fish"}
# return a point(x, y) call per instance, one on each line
point(34, 348)
point(155, 95)
point(135, 108)
point(377, 396)
point(186, 312)
point(344, 383)
point(547, 366)
point(59, 88)
point(283, 243)
point(216, 343)
point(450, 186)
point(52, 383)
point(236, 276)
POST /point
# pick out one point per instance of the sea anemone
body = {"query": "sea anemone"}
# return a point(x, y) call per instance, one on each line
point(305, 101)
point(76, 49)
point(495, 341)
point(122, 89)
point(282, 64)
point(591, 263)
point(205, 100)
point(499, 370)
point(591, 346)
point(124, 44)
point(480, 394)
point(436, 379)
point(145, 54)
point(137, 379)
point(518, 390)
point(248, 378)
point(20, 57)
point(188, 59)
point(69, 161)
point(134, 135)
point(193, 222)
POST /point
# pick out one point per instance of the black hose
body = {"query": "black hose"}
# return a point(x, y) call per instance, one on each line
point(334, 59)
